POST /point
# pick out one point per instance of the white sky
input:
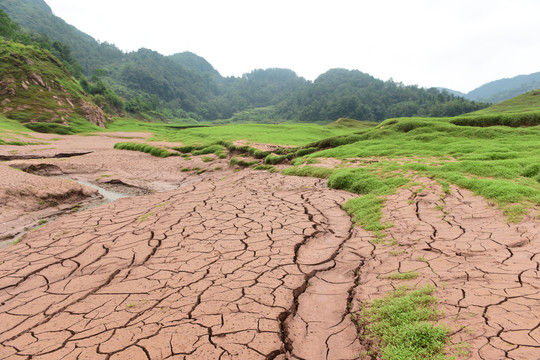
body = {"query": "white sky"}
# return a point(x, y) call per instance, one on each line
point(458, 44)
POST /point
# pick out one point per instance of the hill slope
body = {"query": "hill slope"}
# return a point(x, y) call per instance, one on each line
point(37, 16)
point(37, 90)
point(503, 89)
point(524, 103)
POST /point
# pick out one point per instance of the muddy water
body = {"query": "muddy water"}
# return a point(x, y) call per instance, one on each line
point(108, 195)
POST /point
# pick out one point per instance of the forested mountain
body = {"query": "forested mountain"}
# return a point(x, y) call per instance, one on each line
point(353, 94)
point(194, 63)
point(503, 89)
point(37, 16)
point(186, 86)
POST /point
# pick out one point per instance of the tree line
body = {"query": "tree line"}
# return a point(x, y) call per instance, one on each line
point(186, 86)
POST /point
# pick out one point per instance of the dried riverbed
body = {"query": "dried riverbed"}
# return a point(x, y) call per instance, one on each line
point(249, 265)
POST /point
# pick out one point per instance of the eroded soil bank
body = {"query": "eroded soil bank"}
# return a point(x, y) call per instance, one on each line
point(249, 264)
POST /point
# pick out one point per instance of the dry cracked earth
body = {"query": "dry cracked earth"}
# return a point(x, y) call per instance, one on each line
point(253, 265)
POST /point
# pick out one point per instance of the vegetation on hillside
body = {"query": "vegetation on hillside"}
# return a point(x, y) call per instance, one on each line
point(37, 90)
point(504, 89)
point(353, 94)
point(184, 87)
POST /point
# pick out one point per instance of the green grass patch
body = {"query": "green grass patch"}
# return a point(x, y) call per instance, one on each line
point(498, 163)
point(280, 134)
point(366, 211)
point(401, 325)
point(409, 275)
point(277, 159)
point(149, 149)
point(310, 171)
point(243, 163)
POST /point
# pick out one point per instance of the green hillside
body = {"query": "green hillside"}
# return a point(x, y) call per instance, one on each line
point(37, 90)
point(503, 89)
point(528, 102)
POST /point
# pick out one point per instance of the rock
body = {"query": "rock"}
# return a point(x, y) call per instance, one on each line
point(37, 80)
point(93, 114)
point(7, 88)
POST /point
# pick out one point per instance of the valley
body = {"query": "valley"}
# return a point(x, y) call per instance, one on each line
point(151, 208)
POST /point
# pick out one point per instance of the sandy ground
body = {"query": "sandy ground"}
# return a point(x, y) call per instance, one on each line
point(247, 265)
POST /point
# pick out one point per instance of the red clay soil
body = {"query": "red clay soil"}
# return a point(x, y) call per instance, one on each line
point(27, 198)
point(485, 270)
point(217, 269)
point(251, 265)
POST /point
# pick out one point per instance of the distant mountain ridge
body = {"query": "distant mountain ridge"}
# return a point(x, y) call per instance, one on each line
point(502, 89)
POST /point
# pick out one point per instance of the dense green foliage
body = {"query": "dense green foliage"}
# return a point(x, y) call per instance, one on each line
point(353, 94)
point(90, 54)
point(185, 86)
point(101, 95)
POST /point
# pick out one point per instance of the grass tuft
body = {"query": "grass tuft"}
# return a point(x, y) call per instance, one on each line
point(149, 149)
point(401, 325)
point(409, 275)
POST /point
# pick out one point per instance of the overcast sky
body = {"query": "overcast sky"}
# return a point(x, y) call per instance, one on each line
point(458, 44)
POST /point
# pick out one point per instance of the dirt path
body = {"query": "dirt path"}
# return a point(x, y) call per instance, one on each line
point(486, 271)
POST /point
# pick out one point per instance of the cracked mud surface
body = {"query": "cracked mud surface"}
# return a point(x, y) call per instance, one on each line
point(251, 265)
point(485, 270)
point(202, 272)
